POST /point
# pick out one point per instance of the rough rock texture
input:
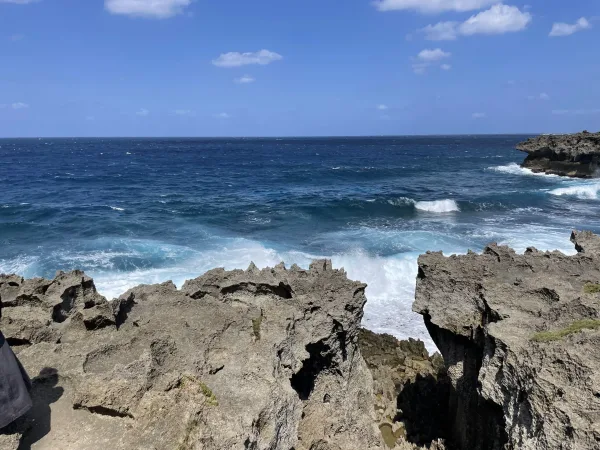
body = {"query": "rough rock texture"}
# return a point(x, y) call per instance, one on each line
point(256, 359)
point(410, 387)
point(571, 155)
point(520, 336)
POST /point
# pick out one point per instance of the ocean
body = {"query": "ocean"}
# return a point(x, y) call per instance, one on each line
point(131, 211)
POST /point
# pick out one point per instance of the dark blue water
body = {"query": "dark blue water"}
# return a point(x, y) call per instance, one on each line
point(146, 210)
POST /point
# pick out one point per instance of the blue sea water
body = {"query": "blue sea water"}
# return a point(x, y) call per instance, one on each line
point(131, 211)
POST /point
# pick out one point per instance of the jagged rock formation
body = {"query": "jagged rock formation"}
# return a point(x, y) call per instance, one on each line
point(253, 360)
point(570, 155)
point(410, 387)
point(520, 336)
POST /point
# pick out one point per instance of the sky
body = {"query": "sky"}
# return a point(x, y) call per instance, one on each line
point(297, 68)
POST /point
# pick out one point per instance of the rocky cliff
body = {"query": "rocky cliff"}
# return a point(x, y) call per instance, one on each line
point(520, 336)
point(256, 359)
point(572, 155)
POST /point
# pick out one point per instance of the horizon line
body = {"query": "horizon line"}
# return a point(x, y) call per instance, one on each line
point(282, 137)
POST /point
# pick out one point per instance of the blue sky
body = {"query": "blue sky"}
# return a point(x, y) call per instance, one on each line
point(310, 67)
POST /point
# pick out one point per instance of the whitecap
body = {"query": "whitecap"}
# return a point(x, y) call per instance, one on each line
point(438, 206)
point(583, 191)
point(116, 208)
point(515, 169)
point(401, 201)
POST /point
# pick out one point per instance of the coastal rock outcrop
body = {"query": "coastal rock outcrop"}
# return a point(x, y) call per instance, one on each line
point(249, 360)
point(572, 155)
point(520, 336)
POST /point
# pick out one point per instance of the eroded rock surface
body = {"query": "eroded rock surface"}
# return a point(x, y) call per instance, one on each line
point(571, 155)
point(256, 359)
point(520, 336)
point(411, 390)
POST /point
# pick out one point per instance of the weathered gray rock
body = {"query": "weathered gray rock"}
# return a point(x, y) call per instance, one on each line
point(572, 155)
point(520, 336)
point(257, 359)
point(411, 389)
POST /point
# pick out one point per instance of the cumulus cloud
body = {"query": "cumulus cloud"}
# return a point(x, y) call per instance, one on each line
point(442, 31)
point(382, 107)
point(566, 29)
point(499, 19)
point(20, 105)
point(237, 59)
point(157, 9)
point(432, 6)
point(142, 112)
point(446, 67)
point(429, 55)
point(478, 115)
point(184, 112)
point(244, 79)
point(222, 116)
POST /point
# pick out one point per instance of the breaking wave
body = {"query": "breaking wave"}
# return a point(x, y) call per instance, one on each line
point(438, 206)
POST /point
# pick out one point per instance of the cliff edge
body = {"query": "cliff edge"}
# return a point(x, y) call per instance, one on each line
point(571, 155)
point(520, 336)
point(249, 360)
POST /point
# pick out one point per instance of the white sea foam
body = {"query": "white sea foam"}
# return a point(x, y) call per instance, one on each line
point(582, 191)
point(401, 201)
point(116, 208)
point(515, 169)
point(438, 206)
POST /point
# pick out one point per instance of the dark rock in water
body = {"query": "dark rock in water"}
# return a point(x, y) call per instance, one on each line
point(570, 155)
point(520, 336)
point(257, 359)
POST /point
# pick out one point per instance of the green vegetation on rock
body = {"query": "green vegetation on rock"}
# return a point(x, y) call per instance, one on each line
point(591, 288)
point(575, 327)
point(256, 327)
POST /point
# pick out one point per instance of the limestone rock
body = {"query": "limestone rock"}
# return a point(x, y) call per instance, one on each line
point(572, 155)
point(520, 336)
point(257, 359)
point(411, 390)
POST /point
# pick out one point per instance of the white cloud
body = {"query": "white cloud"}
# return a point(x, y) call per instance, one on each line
point(446, 66)
point(184, 112)
point(542, 96)
point(428, 55)
point(441, 31)
point(245, 79)
point(575, 112)
point(20, 105)
point(382, 107)
point(222, 116)
point(478, 115)
point(157, 9)
point(499, 19)
point(566, 29)
point(432, 6)
point(237, 59)
point(142, 112)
